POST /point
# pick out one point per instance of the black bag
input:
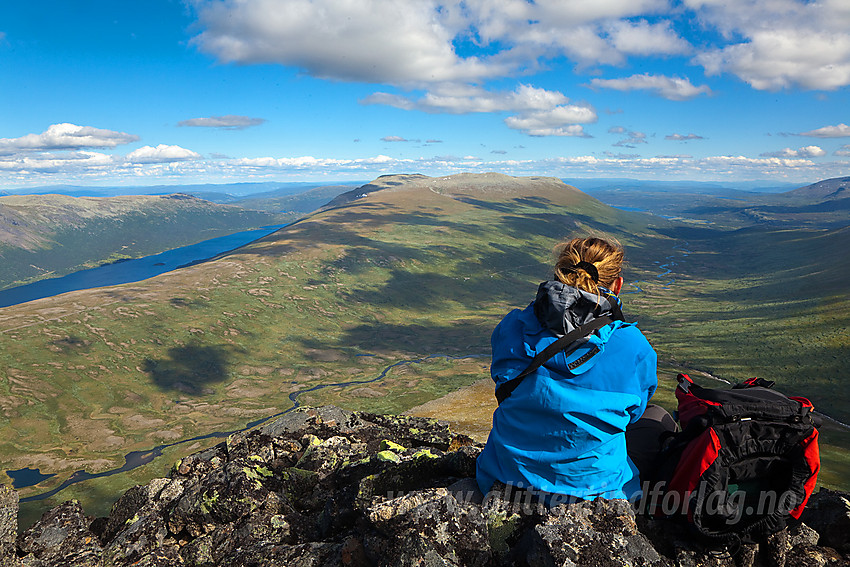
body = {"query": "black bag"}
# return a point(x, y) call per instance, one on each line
point(745, 461)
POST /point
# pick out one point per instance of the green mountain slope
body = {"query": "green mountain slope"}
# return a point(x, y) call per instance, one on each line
point(51, 235)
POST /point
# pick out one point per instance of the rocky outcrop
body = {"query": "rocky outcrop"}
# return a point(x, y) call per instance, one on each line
point(327, 487)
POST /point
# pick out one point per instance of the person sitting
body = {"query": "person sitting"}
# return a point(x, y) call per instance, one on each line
point(562, 430)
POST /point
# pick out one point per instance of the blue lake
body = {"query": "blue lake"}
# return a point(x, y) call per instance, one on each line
point(128, 271)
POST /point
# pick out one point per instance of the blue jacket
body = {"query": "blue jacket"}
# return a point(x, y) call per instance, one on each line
point(562, 431)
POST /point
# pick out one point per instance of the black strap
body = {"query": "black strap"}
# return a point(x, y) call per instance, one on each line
point(504, 391)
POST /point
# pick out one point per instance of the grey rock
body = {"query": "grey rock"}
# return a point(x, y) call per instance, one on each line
point(61, 537)
point(8, 523)
point(601, 532)
point(828, 513)
point(802, 535)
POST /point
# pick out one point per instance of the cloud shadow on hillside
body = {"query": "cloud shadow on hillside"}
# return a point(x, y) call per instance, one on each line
point(190, 369)
point(460, 337)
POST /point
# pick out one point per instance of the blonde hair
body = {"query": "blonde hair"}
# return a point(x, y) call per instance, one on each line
point(606, 257)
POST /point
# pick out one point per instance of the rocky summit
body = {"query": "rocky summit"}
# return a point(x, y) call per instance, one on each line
point(328, 487)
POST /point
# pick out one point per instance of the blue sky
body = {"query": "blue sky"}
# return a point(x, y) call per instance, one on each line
point(124, 92)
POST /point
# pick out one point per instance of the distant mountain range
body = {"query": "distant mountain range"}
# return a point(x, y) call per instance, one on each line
point(215, 192)
point(823, 204)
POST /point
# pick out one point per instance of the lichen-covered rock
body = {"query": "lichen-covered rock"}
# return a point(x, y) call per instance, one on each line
point(8, 523)
point(599, 532)
point(828, 513)
point(328, 487)
point(428, 523)
point(61, 537)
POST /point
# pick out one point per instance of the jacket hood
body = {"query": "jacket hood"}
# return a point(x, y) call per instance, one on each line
point(562, 308)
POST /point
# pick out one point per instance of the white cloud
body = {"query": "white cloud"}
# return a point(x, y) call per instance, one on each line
point(779, 43)
point(840, 131)
point(161, 154)
point(67, 137)
point(50, 162)
point(539, 112)
point(770, 44)
point(229, 122)
point(78, 167)
point(464, 99)
point(393, 139)
point(671, 88)
point(559, 121)
point(413, 41)
point(843, 151)
point(589, 32)
point(405, 41)
point(643, 38)
point(805, 152)
point(311, 163)
point(683, 137)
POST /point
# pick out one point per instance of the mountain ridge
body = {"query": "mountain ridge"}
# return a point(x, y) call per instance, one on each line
point(56, 234)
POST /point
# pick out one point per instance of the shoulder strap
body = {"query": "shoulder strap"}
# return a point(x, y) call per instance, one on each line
point(503, 391)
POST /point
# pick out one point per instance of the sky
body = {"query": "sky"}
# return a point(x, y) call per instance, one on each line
point(145, 92)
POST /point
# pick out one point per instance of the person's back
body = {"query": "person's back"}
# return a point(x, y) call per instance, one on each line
point(562, 430)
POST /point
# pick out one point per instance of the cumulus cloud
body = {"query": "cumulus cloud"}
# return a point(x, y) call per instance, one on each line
point(805, 152)
point(683, 137)
point(540, 112)
point(413, 41)
point(161, 154)
point(840, 131)
point(671, 88)
point(229, 122)
point(770, 44)
point(779, 43)
point(843, 151)
point(643, 38)
point(394, 139)
point(559, 121)
point(67, 137)
point(405, 41)
point(465, 99)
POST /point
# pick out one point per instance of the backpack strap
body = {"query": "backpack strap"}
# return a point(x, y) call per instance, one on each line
point(504, 391)
point(753, 383)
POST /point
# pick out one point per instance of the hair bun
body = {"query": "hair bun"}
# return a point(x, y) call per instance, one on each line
point(587, 267)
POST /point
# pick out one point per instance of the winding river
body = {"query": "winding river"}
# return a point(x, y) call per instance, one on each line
point(23, 478)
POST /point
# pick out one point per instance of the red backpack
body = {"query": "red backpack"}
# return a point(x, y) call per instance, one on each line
point(745, 461)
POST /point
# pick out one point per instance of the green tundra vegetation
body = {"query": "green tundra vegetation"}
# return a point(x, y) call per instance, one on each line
point(385, 302)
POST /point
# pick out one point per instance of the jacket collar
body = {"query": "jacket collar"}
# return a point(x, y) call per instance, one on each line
point(562, 308)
